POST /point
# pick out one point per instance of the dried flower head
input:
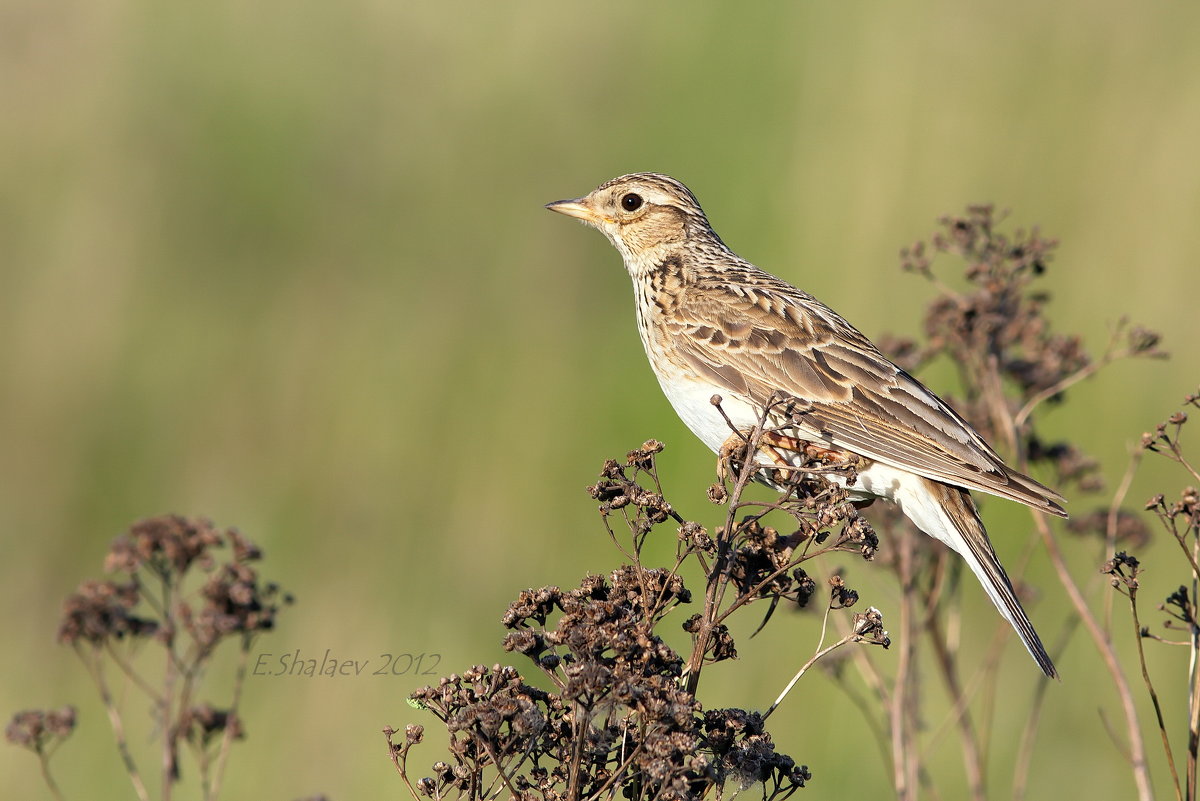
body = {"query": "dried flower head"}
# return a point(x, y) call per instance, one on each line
point(103, 610)
point(177, 595)
point(202, 724)
point(164, 543)
point(40, 729)
point(998, 335)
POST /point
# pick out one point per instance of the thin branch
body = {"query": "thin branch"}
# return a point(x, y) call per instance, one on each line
point(1162, 726)
point(1005, 422)
point(44, 761)
point(114, 718)
point(132, 674)
point(619, 771)
point(579, 723)
point(853, 635)
point(716, 579)
point(170, 733)
point(1111, 354)
point(904, 765)
point(399, 757)
point(239, 682)
point(1137, 749)
point(1194, 674)
point(972, 754)
point(487, 744)
point(1110, 527)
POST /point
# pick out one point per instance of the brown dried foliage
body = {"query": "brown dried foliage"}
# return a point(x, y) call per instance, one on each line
point(622, 714)
point(1179, 520)
point(178, 595)
point(40, 729)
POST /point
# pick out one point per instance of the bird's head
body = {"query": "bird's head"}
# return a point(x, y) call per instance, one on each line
point(645, 215)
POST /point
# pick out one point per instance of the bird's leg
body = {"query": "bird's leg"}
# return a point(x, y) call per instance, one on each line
point(773, 445)
point(734, 449)
point(812, 454)
point(776, 447)
point(775, 441)
point(810, 450)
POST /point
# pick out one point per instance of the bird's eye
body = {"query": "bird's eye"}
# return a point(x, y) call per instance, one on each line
point(631, 202)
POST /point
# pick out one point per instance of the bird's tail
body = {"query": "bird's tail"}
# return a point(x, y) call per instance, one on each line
point(948, 514)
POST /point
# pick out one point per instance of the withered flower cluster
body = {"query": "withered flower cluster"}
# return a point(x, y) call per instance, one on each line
point(1180, 518)
point(157, 554)
point(1180, 521)
point(203, 723)
point(177, 594)
point(998, 335)
point(1124, 570)
point(761, 560)
point(622, 713)
point(618, 718)
point(100, 610)
point(40, 730)
point(1000, 316)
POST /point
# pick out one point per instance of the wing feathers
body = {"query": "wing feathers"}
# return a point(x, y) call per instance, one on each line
point(780, 339)
point(968, 537)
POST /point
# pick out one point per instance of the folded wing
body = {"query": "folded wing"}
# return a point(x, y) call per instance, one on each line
point(784, 340)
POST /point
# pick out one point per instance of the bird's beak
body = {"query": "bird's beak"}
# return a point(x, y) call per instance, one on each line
point(577, 208)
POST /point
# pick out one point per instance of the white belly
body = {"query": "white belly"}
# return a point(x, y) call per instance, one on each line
point(692, 401)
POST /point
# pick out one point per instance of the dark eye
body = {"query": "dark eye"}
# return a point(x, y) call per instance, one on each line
point(631, 202)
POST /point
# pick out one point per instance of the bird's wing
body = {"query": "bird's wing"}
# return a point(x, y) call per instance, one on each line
point(759, 338)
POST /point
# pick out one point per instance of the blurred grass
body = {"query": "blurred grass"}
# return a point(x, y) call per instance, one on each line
point(285, 265)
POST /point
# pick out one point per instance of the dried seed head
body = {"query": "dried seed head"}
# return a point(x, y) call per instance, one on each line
point(36, 728)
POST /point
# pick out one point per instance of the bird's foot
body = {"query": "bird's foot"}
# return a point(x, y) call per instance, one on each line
point(777, 448)
point(732, 455)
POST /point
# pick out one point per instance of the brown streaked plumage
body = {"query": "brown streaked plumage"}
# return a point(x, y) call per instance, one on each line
point(712, 323)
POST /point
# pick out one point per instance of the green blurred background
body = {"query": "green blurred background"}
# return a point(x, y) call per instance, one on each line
point(285, 265)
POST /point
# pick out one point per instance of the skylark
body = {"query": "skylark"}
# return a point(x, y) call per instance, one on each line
point(714, 324)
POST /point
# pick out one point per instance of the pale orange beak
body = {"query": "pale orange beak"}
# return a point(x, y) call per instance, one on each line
point(577, 208)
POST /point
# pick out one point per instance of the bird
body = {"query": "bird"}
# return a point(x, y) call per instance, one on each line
point(713, 324)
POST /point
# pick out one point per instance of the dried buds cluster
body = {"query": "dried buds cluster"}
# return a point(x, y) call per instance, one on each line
point(599, 732)
point(40, 730)
point(100, 610)
point(177, 594)
point(1178, 518)
point(622, 714)
point(1000, 316)
point(998, 334)
point(235, 601)
point(203, 723)
point(1124, 570)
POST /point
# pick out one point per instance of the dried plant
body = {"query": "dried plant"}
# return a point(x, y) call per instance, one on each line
point(176, 595)
point(1010, 363)
point(1180, 521)
point(623, 715)
point(42, 731)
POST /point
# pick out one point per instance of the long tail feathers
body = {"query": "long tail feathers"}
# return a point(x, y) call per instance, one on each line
point(948, 514)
